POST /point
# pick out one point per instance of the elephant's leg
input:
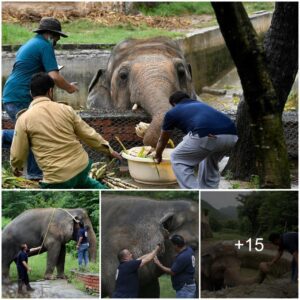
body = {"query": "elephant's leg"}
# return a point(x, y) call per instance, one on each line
point(54, 248)
point(150, 290)
point(5, 272)
point(60, 266)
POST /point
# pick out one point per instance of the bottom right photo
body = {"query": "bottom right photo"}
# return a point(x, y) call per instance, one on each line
point(249, 244)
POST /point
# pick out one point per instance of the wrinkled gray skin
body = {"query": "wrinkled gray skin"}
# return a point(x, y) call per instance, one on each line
point(30, 227)
point(139, 224)
point(220, 268)
point(145, 72)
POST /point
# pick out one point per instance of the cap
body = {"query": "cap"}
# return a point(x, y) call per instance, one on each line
point(50, 24)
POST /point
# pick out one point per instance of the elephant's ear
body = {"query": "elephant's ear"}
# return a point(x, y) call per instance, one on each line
point(99, 91)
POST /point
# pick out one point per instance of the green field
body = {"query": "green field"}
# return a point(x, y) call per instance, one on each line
point(166, 290)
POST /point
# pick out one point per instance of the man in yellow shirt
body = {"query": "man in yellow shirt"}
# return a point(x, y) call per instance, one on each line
point(53, 131)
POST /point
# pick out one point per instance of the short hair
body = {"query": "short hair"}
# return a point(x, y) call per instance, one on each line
point(81, 224)
point(40, 84)
point(178, 240)
point(23, 246)
point(122, 254)
point(177, 97)
point(274, 236)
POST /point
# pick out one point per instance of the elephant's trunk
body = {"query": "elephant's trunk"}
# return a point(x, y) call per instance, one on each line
point(92, 241)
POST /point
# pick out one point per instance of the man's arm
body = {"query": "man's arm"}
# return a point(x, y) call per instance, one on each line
point(79, 242)
point(62, 83)
point(26, 266)
point(148, 257)
point(35, 249)
point(165, 269)
point(161, 145)
point(276, 258)
point(89, 136)
point(19, 149)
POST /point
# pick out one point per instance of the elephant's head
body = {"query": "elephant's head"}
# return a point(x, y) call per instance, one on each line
point(142, 72)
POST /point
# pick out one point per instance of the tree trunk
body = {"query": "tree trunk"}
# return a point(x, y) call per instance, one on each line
point(271, 160)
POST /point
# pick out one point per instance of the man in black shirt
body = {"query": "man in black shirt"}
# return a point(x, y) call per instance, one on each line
point(182, 270)
point(127, 282)
point(286, 242)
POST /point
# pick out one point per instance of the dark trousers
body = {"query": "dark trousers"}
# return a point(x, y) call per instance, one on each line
point(23, 277)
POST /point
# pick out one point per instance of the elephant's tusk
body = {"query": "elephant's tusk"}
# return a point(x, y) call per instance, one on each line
point(134, 107)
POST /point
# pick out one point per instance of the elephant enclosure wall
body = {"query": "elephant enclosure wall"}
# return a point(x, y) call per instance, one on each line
point(90, 280)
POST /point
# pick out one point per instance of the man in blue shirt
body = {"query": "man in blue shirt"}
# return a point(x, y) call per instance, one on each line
point(23, 268)
point(82, 245)
point(127, 281)
point(210, 134)
point(286, 242)
point(182, 270)
point(37, 55)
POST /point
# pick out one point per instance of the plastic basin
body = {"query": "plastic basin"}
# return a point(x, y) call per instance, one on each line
point(146, 171)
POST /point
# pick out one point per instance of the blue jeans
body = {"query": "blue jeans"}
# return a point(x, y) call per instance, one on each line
point(294, 271)
point(187, 291)
point(83, 254)
point(33, 170)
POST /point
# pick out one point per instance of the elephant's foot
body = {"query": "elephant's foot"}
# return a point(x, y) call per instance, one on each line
point(49, 277)
point(62, 276)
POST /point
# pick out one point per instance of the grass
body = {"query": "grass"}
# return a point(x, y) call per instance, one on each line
point(227, 235)
point(84, 32)
point(38, 266)
point(166, 290)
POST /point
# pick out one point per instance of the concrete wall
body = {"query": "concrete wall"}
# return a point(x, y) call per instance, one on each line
point(207, 53)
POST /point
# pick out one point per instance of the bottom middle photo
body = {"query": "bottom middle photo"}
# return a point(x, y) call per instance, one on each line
point(149, 244)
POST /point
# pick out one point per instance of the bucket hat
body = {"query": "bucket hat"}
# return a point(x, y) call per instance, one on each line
point(50, 24)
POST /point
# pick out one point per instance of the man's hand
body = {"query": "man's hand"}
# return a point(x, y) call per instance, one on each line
point(77, 247)
point(17, 172)
point(29, 269)
point(73, 88)
point(116, 155)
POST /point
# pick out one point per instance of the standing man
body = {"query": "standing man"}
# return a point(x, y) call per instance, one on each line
point(209, 136)
point(23, 268)
point(286, 242)
point(182, 270)
point(82, 246)
point(127, 281)
point(54, 130)
point(37, 55)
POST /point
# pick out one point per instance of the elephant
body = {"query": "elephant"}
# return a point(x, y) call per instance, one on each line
point(142, 73)
point(139, 224)
point(220, 268)
point(50, 228)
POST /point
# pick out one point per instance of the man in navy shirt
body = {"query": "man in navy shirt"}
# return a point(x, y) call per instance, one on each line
point(37, 55)
point(23, 268)
point(182, 270)
point(82, 245)
point(127, 281)
point(209, 136)
point(286, 242)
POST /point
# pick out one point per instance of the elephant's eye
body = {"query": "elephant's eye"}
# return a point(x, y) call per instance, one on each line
point(123, 75)
point(181, 71)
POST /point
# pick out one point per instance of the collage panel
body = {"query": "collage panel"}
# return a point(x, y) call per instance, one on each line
point(50, 244)
point(249, 244)
point(150, 244)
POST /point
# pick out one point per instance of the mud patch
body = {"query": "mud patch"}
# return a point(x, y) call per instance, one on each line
point(278, 288)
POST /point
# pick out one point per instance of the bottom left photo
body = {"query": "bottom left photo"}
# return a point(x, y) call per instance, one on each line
point(50, 244)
